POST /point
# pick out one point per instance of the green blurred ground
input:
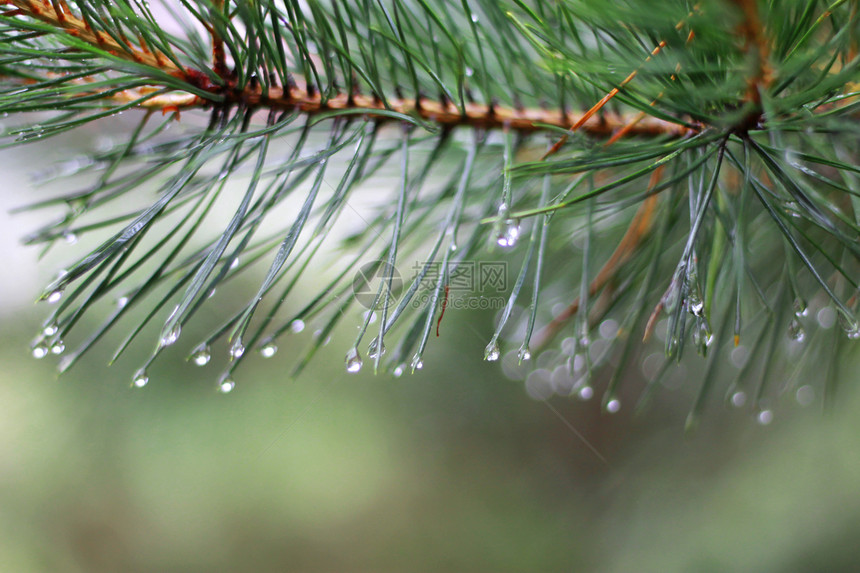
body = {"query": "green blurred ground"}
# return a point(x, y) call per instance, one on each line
point(455, 469)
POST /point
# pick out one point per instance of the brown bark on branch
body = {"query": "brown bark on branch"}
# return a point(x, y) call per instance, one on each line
point(59, 15)
point(310, 101)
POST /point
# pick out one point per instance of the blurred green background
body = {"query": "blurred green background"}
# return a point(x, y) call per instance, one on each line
point(452, 469)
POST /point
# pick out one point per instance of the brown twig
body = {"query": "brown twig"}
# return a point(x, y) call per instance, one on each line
point(613, 92)
point(757, 43)
point(447, 114)
point(219, 58)
point(310, 102)
point(55, 14)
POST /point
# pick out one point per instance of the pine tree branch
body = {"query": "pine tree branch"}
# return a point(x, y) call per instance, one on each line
point(312, 102)
point(58, 14)
point(758, 46)
point(678, 91)
point(433, 112)
point(447, 114)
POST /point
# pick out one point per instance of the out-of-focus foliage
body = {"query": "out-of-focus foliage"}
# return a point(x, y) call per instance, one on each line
point(449, 470)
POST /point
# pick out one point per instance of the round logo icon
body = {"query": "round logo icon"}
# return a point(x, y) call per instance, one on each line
point(376, 284)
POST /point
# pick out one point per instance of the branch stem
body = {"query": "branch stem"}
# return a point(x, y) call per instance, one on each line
point(310, 102)
point(53, 13)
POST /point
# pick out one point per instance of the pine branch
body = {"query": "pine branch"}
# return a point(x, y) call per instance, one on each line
point(724, 122)
point(59, 15)
point(312, 102)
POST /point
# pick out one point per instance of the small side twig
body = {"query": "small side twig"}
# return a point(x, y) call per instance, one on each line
point(219, 57)
point(54, 14)
point(757, 43)
point(613, 92)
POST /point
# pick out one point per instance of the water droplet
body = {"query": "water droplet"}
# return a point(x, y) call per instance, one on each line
point(226, 385)
point(850, 326)
point(765, 417)
point(513, 368)
point(608, 329)
point(353, 361)
point(297, 326)
point(739, 356)
point(141, 378)
point(54, 296)
point(453, 247)
point(613, 406)
point(372, 349)
point(739, 398)
point(586, 393)
point(702, 336)
point(577, 362)
point(417, 363)
point(805, 395)
point(474, 18)
point(508, 234)
point(237, 349)
point(70, 237)
point(269, 349)
point(40, 350)
point(121, 301)
point(201, 355)
point(492, 352)
point(652, 364)
point(170, 335)
point(58, 347)
point(800, 307)
point(562, 382)
point(568, 345)
point(234, 263)
point(50, 329)
point(469, 72)
point(524, 354)
point(584, 341)
point(826, 317)
point(538, 384)
point(796, 331)
point(695, 302)
point(548, 359)
point(398, 372)
point(696, 305)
